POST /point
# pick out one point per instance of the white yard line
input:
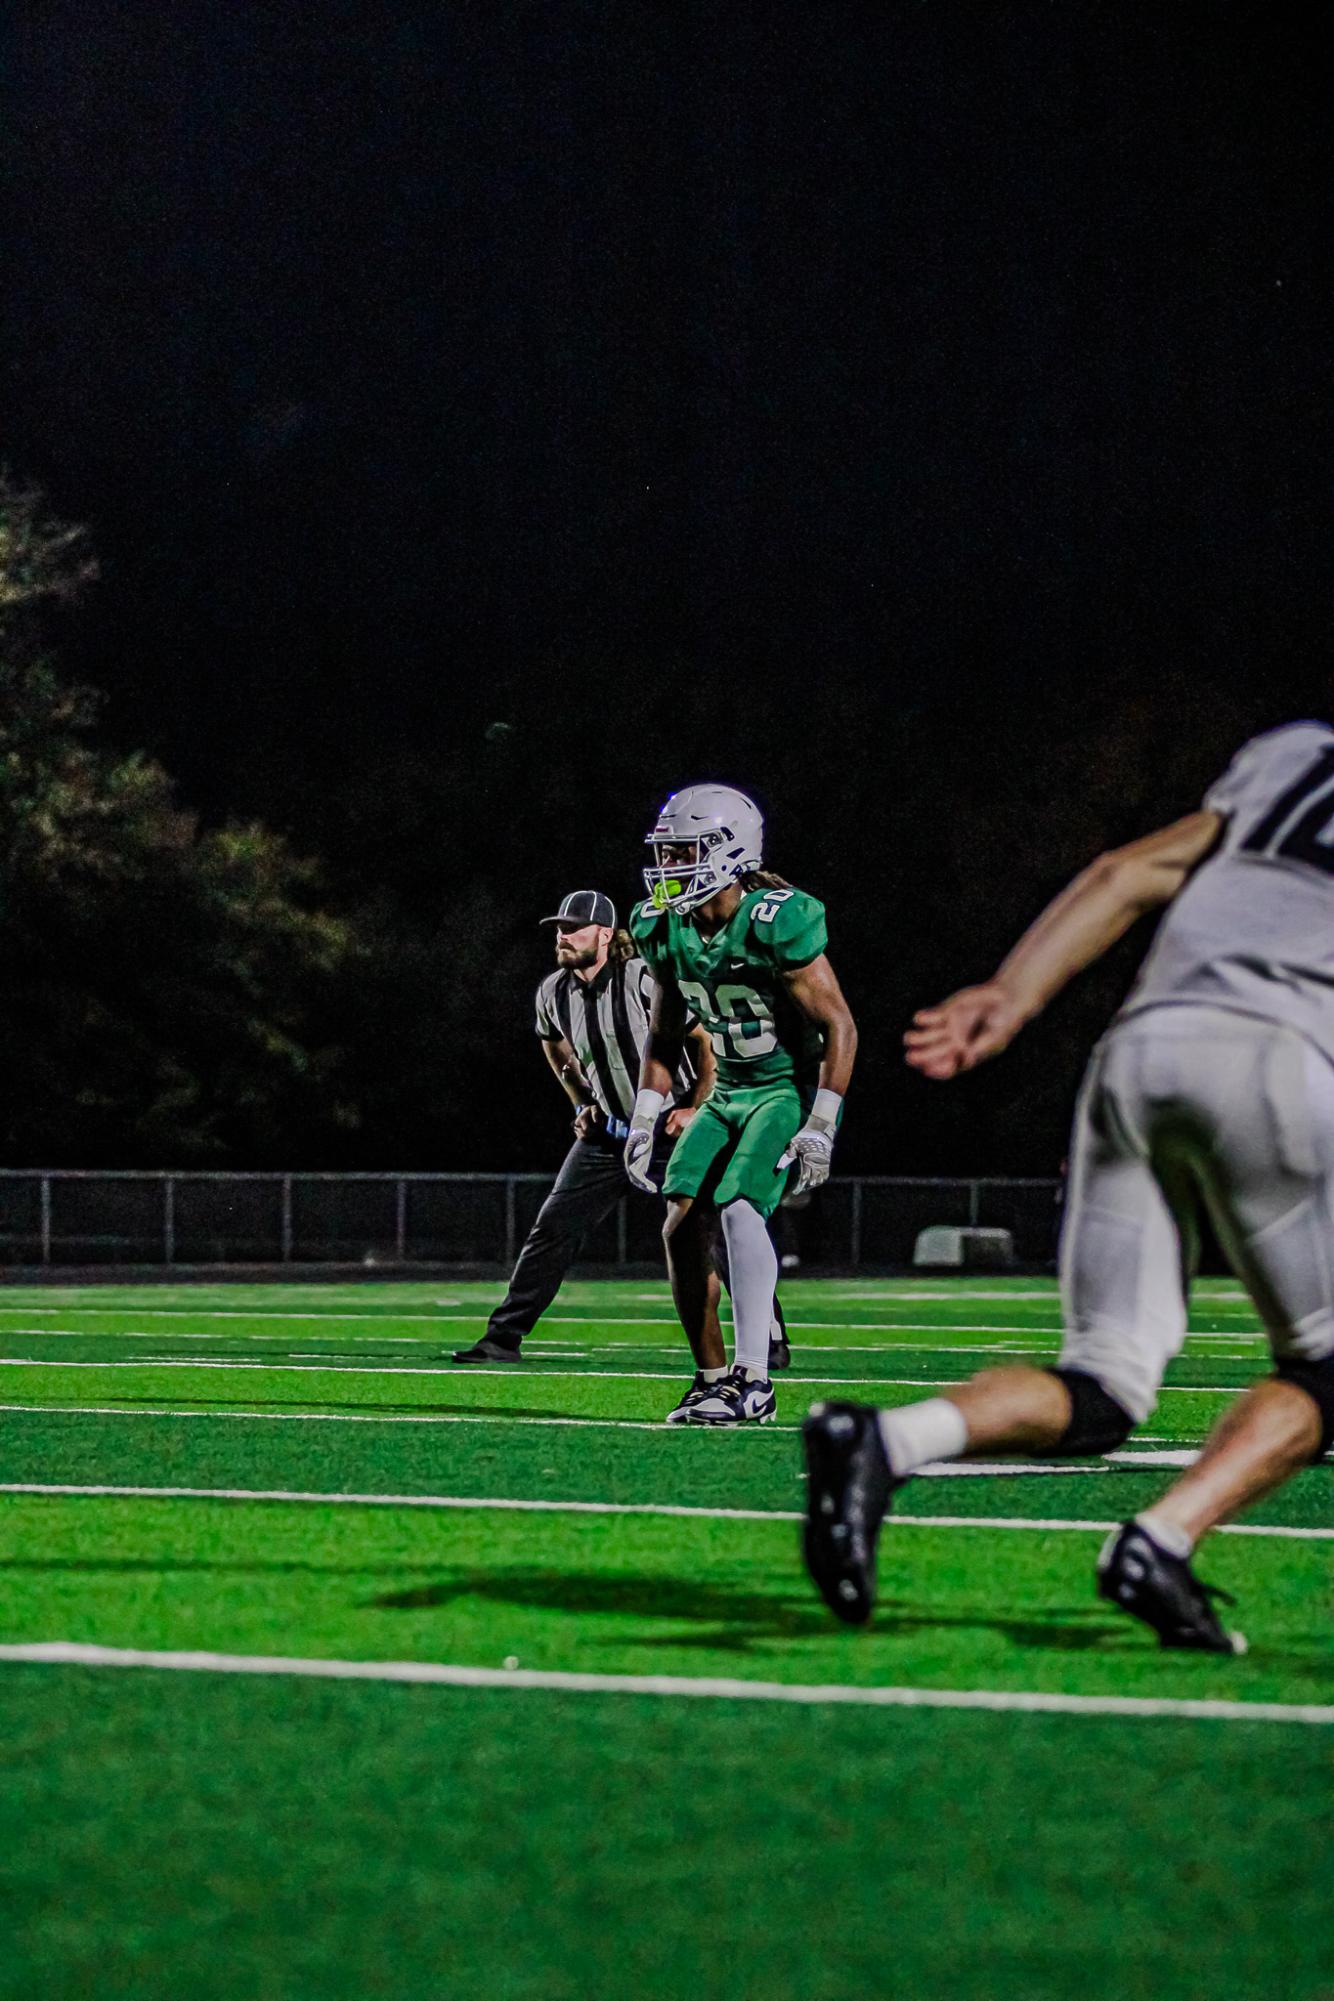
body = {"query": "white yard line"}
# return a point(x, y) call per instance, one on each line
point(547, 1506)
point(606, 1319)
point(66, 1653)
point(375, 1417)
point(951, 1470)
point(537, 1507)
point(548, 1375)
point(229, 1365)
point(1188, 1452)
point(541, 1353)
point(445, 1322)
point(505, 1504)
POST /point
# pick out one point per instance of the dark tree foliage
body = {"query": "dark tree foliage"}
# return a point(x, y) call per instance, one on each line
point(163, 986)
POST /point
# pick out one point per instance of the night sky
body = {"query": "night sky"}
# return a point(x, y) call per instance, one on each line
point(915, 414)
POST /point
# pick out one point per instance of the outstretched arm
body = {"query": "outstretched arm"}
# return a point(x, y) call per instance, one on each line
point(1076, 928)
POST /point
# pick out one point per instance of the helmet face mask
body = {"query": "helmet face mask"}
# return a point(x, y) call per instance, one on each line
point(706, 837)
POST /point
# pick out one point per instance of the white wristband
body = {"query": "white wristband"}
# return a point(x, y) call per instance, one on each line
point(648, 1108)
point(826, 1108)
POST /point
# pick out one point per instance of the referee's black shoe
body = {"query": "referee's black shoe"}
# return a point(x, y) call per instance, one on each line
point(488, 1349)
point(1142, 1578)
point(849, 1485)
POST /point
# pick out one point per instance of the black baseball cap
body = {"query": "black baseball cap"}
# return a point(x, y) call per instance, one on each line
point(584, 906)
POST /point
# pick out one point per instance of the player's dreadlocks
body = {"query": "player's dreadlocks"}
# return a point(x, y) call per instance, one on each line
point(763, 878)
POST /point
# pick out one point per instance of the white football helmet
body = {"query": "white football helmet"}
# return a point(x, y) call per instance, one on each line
point(706, 836)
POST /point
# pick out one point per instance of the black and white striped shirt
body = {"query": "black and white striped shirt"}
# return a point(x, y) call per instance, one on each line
point(605, 1021)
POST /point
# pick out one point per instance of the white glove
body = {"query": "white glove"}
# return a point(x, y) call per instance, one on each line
point(813, 1147)
point(639, 1146)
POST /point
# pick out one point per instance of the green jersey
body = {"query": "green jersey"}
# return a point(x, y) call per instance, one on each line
point(733, 982)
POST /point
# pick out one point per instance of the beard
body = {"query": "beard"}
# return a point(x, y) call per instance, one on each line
point(573, 959)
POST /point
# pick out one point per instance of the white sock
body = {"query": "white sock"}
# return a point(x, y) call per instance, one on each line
point(753, 1267)
point(918, 1432)
point(713, 1375)
point(1167, 1535)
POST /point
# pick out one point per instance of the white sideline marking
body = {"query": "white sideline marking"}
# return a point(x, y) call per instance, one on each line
point(548, 1375)
point(374, 1417)
point(538, 1350)
point(480, 1417)
point(333, 1367)
point(67, 1653)
point(1172, 1457)
point(949, 1470)
point(551, 1507)
point(541, 1351)
point(506, 1504)
point(467, 1318)
point(443, 1322)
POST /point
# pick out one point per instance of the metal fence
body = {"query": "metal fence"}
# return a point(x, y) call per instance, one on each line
point(68, 1218)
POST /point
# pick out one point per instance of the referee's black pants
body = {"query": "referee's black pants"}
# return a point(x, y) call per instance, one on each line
point(591, 1182)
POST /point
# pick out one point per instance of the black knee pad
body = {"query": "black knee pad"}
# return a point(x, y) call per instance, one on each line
point(1098, 1423)
point(1317, 1379)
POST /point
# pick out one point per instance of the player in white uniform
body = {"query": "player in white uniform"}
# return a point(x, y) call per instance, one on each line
point(1213, 1092)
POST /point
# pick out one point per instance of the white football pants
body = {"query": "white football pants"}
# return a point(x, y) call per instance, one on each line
point(1185, 1109)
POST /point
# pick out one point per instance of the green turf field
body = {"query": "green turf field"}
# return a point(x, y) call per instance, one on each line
point(518, 1694)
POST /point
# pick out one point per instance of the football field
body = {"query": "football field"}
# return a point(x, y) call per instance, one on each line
point(330, 1670)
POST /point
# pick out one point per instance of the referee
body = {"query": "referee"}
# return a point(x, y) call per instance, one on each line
point(592, 1018)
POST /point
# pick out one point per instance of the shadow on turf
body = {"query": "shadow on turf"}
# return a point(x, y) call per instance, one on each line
point(730, 1621)
point(753, 1613)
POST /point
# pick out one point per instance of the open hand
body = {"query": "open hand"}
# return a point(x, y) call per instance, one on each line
point(963, 1031)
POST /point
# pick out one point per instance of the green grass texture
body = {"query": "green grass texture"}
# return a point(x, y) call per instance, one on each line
point(268, 1837)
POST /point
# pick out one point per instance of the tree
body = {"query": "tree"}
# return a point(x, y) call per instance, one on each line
point(164, 987)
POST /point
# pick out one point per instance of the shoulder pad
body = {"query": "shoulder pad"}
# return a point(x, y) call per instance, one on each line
point(648, 929)
point(1266, 764)
point(787, 926)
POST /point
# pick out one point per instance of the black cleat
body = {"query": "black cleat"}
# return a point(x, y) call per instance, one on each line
point(1138, 1575)
point(780, 1350)
point(486, 1350)
point(699, 1389)
point(849, 1486)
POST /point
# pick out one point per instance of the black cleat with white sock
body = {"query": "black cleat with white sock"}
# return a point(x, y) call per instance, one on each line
point(699, 1389)
point(849, 1485)
point(1142, 1578)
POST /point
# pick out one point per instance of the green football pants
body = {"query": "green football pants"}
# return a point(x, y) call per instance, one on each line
point(730, 1149)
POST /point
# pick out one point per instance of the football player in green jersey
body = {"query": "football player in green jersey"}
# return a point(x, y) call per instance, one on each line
point(744, 953)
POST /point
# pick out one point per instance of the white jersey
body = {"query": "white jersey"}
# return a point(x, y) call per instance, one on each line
point(1253, 930)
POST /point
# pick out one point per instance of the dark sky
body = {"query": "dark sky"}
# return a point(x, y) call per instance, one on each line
point(917, 414)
